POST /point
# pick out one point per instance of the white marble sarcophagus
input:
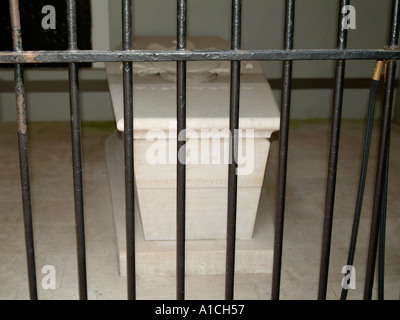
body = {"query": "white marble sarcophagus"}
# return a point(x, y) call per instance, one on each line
point(155, 137)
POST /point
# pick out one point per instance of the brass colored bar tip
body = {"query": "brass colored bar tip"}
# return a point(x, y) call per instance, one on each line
point(378, 70)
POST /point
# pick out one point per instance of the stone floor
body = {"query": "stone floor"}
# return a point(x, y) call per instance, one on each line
point(52, 204)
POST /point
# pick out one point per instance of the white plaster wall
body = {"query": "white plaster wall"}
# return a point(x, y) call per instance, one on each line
point(315, 23)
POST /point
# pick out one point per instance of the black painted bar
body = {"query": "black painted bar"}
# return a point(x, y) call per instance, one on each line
point(181, 154)
point(23, 151)
point(382, 227)
point(364, 167)
point(333, 158)
point(76, 152)
point(382, 157)
point(233, 149)
point(283, 151)
point(379, 184)
point(128, 147)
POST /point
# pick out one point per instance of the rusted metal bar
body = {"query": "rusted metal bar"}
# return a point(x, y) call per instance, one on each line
point(196, 55)
point(23, 151)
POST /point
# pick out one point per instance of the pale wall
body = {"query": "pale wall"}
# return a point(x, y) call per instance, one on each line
point(47, 91)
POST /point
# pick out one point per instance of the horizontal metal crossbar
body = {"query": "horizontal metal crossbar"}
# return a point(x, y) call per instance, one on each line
point(195, 55)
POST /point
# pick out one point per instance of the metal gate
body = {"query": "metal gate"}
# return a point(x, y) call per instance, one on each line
point(127, 56)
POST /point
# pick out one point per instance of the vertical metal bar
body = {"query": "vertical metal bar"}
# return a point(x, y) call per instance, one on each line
point(333, 157)
point(382, 157)
point(380, 183)
point(23, 150)
point(364, 167)
point(283, 151)
point(128, 147)
point(181, 153)
point(234, 143)
point(76, 152)
point(382, 228)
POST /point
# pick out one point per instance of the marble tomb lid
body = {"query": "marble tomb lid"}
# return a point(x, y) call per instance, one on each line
point(208, 91)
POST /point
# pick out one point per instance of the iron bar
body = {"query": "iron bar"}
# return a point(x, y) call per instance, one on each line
point(382, 227)
point(333, 157)
point(364, 166)
point(181, 153)
point(197, 55)
point(380, 183)
point(23, 151)
point(233, 150)
point(383, 153)
point(128, 147)
point(76, 152)
point(283, 151)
